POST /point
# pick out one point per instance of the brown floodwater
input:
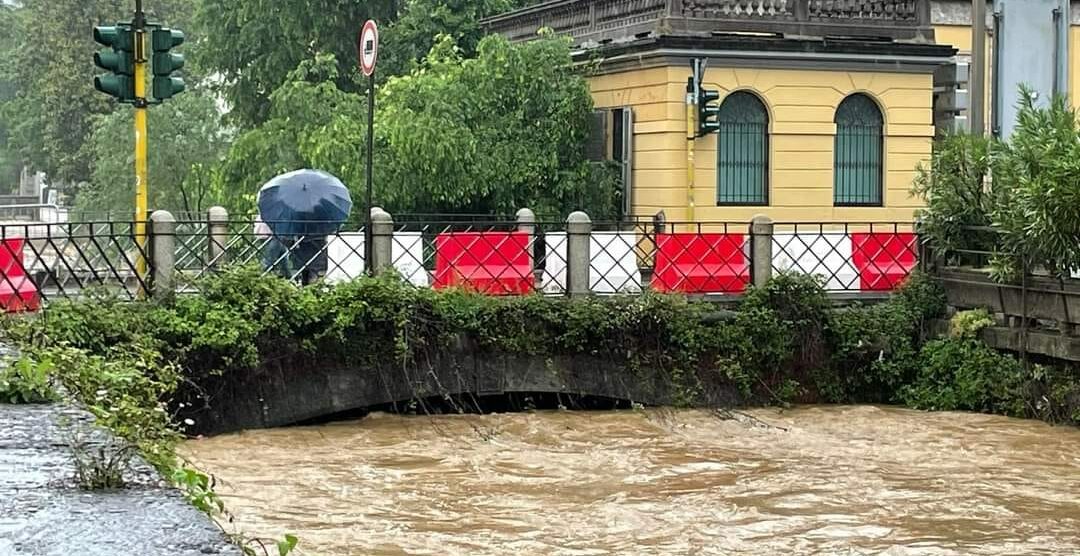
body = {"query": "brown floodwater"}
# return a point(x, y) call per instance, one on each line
point(815, 480)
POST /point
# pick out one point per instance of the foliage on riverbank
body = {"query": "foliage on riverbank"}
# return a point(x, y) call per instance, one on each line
point(1026, 187)
point(786, 343)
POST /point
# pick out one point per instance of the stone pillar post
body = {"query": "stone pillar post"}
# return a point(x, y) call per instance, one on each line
point(526, 221)
point(578, 259)
point(217, 219)
point(526, 224)
point(761, 235)
point(382, 240)
point(162, 254)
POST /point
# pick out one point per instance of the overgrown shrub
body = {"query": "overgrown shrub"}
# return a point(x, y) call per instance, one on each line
point(1038, 171)
point(785, 343)
point(1027, 188)
point(964, 373)
point(956, 193)
point(875, 349)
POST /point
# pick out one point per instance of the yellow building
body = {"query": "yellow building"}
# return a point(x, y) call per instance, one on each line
point(825, 108)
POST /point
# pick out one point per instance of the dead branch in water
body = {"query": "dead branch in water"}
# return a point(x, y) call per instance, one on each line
point(726, 414)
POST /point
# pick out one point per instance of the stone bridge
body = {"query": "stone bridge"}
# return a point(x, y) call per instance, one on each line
point(299, 388)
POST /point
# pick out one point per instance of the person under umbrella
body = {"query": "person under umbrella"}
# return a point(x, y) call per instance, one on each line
point(301, 208)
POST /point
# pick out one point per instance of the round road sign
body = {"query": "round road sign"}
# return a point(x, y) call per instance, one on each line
point(367, 47)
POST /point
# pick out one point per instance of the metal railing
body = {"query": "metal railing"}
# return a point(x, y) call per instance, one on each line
point(65, 260)
point(493, 255)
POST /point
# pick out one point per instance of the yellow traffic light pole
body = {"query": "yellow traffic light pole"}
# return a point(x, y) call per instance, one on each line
point(141, 175)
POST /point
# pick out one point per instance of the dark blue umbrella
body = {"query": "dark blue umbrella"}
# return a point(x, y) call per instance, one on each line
point(304, 203)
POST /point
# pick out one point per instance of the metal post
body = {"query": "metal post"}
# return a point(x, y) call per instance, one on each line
point(368, 241)
point(761, 235)
point(382, 234)
point(977, 75)
point(141, 174)
point(578, 260)
point(162, 254)
point(692, 85)
point(217, 219)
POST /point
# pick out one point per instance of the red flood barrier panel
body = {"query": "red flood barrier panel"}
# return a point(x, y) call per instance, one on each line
point(884, 260)
point(701, 263)
point(17, 291)
point(495, 263)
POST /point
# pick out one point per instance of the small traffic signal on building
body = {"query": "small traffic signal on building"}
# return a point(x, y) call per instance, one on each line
point(166, 62)
point(119, 60)
point(708, 110)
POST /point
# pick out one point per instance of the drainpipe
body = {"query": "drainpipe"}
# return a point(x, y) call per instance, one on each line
point(1056, 17)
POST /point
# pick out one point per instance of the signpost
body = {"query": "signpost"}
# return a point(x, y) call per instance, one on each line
point(367, 50)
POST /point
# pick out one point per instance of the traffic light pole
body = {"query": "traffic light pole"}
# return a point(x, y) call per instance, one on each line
point(141, 174)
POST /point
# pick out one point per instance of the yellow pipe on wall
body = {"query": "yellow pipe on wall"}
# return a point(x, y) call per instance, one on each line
point(691, 135)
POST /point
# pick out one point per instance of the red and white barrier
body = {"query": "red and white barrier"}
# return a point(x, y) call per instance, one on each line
point(613, 266)
point(495, 263)
point(502, 263)
point(18, 292)
point(701, 263)
point(345, 254)
point(858, 261)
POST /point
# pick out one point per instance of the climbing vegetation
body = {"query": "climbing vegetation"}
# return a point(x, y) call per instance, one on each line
point(144, 368)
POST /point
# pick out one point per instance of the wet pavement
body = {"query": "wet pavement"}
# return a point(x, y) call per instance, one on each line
point(43, 512)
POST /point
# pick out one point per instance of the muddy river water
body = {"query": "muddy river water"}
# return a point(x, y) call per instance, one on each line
point(813, 480)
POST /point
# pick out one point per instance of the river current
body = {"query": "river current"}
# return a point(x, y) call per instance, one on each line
point(813, 480)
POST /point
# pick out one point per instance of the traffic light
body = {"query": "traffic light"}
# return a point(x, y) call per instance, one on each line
point(120, 61)
point(708, 111)
point(166, 63)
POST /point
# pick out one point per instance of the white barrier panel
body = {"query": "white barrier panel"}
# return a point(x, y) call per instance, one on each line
point(345, 254)
point(554, 277)
point(823, 254)
point(408, 256)
point(613, 268)
point(346, 257)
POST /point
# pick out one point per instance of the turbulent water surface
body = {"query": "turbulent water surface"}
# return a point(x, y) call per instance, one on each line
point(815, 480)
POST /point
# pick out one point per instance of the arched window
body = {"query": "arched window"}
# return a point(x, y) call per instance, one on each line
point(742, 160)
point(857, 153)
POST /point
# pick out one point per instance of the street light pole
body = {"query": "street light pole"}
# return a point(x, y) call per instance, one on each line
point(977, 73)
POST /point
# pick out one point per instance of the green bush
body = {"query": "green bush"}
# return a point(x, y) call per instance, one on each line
point(963, 373)
point(1032, 201)
point(956, 193)
point(785, 343)
point(1038, 173)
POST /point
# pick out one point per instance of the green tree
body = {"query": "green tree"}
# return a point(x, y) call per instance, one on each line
point(9, 44)
point(408, 39)
point(493, 133)
point(489, 134)
point(957, 194)
point(51, 111)
point(253, 45)
point(186, 140)
point(305, 104)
